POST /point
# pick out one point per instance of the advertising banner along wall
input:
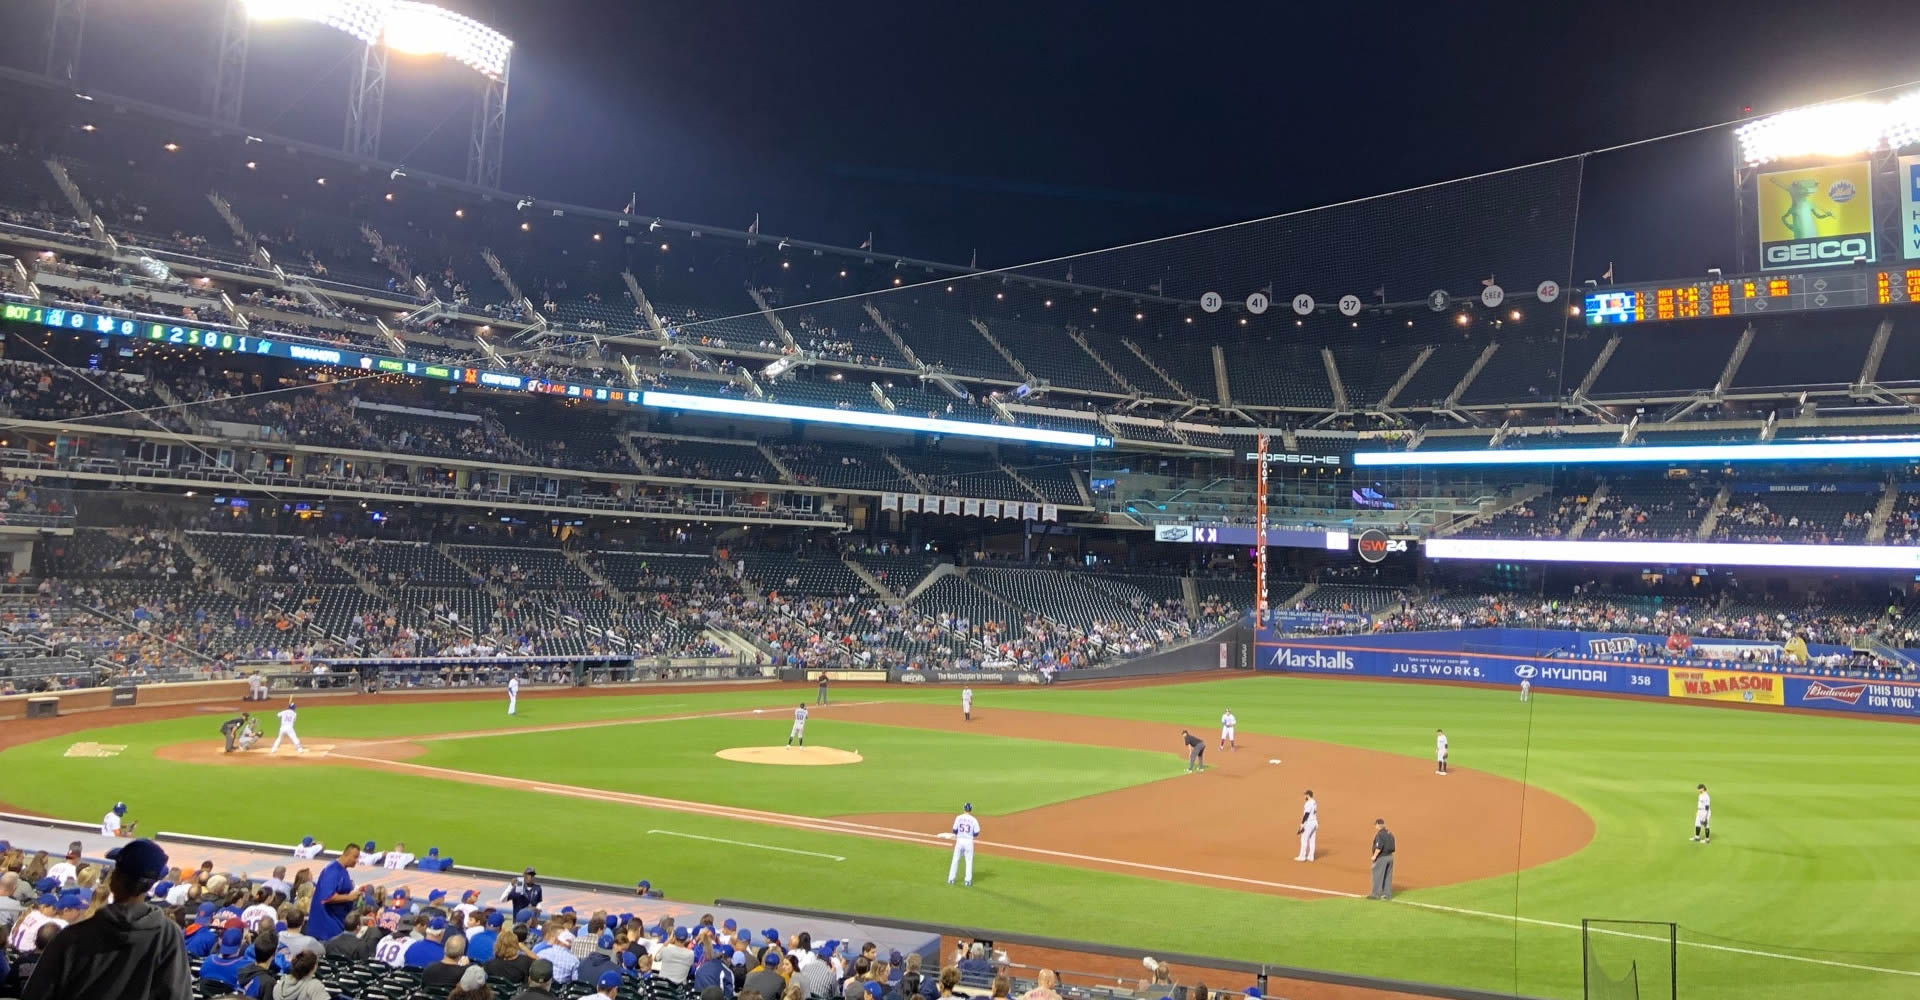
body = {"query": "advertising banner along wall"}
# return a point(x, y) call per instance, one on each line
point(1816, 216)
point(1726, 685)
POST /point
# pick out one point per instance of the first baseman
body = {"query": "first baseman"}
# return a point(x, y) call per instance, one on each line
point(1439, 751)
point(1703, 817)
point(965, 828)
point(798, 737)
point(1226, 730)
point(287, 717)
point(1309, 828)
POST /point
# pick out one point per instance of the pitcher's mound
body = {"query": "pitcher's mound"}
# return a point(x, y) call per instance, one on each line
point(802, 756)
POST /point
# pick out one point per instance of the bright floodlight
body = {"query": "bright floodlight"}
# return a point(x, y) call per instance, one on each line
point(401, 26)
point(1845, 129)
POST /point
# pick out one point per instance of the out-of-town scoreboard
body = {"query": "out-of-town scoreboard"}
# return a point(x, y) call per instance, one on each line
point(1752, 295)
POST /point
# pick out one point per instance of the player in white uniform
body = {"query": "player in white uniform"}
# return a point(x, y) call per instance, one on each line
point(1526, 690)
point(799, 735)
point(110, 823)
point(966, 704)
point(1703, 818)
point(965, 829)
point(287, 717)
point(1439, 751)
point(397, 858)
point(513, 695)
point(1226, 730)
point(1309, 828)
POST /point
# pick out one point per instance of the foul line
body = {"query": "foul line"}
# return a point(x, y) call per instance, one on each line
point(743, 843)
point(560, 727)
point(823, 825)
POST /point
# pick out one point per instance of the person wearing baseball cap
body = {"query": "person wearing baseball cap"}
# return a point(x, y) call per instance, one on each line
point(524, 893)
point(26, 930)
point(539, 981)
point(110, 823)
point(430, 948)
point(606, 985)
point(128, 949)
point(480, 942)
point(223, 966)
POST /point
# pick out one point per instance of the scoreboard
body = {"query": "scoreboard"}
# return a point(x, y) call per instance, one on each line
point(1752, 295)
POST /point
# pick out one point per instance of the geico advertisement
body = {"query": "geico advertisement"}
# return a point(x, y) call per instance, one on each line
point(1816, 216)
point(1464, 667)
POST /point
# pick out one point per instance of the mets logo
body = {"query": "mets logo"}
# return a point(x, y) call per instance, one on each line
point(1848, 694)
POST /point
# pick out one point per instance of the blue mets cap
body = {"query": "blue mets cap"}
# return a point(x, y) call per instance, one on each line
point(437, 924)
point(609, 980)
point(680, 934)
point(368, 847)
point(306, 841)
point(771, 934)
point(496, 919)
point(524, 915)
point(730, 923)
point(47, 899)
point(436, 895)
point(876, 991)
point(230, 940)
point(1253, 993)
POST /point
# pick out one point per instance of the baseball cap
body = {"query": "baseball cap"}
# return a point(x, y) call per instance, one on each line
point(609, 980)
point(894, 959)
point(566, 909)
point(496, 919)
point(436, 895)
point(771, 934)
point(73, 901)
point(161, 888)
point(231, 940)
point(630, 959)
point(437, 924)
point(967, 808)
point(47, 899)
point(367, 847)
point(1253, 993)
point(876, 990)
point(828, 947)
point(306, 841)
point(606, 939)
point(119, 808)
point(433, 852)
point(207, 910)
point(772, 959)
point(644, 884)
point(524, 915)
point(47, 884)
point(400, 893)
point(528, 872)
point(730, 923)
point(540, 971)
point(680, 934)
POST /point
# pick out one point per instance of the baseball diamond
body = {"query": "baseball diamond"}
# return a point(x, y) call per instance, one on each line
point(1583, 798)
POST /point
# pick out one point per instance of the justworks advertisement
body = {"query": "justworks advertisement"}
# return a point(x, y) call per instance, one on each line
point(1816, 216)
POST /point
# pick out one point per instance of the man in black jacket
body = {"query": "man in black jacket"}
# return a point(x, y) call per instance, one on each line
point(127, 951)
point(352, 944)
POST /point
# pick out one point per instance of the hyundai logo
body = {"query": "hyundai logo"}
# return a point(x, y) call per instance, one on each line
point(1525, 671)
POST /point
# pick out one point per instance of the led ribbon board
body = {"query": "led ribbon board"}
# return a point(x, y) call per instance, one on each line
point(879, 421)
point(1894, 557)
point(268, 344)
point(1823, 451)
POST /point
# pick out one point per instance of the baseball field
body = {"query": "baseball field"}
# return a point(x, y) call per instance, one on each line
point(1560, 809)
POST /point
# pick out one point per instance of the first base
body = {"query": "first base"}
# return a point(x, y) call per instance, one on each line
point(1273, 760)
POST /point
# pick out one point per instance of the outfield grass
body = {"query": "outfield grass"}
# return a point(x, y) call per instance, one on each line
point(1814, 852)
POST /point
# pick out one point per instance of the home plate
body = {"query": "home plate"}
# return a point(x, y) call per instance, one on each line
point(1273, 760)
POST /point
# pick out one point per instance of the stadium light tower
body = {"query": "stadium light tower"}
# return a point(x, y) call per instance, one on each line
point(383, 27)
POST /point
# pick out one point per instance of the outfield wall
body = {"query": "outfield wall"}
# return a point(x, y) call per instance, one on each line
point(1496, 656)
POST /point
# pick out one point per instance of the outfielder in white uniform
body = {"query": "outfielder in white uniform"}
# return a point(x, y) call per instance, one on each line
point(1226, 731)
point(1526, 690)
point(1703, 818)
point(1439, 751)
point(287, 717)
point(1309, 828)
point(965, 829)
point(513, 695)
point(966, 704)
point(799, 735)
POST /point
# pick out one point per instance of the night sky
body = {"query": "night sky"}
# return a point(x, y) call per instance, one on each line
point(1028, 130)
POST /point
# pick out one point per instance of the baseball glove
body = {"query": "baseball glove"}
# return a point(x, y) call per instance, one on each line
point(1301, 829)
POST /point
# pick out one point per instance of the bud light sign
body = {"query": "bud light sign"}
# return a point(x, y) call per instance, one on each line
point(1459, 667)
